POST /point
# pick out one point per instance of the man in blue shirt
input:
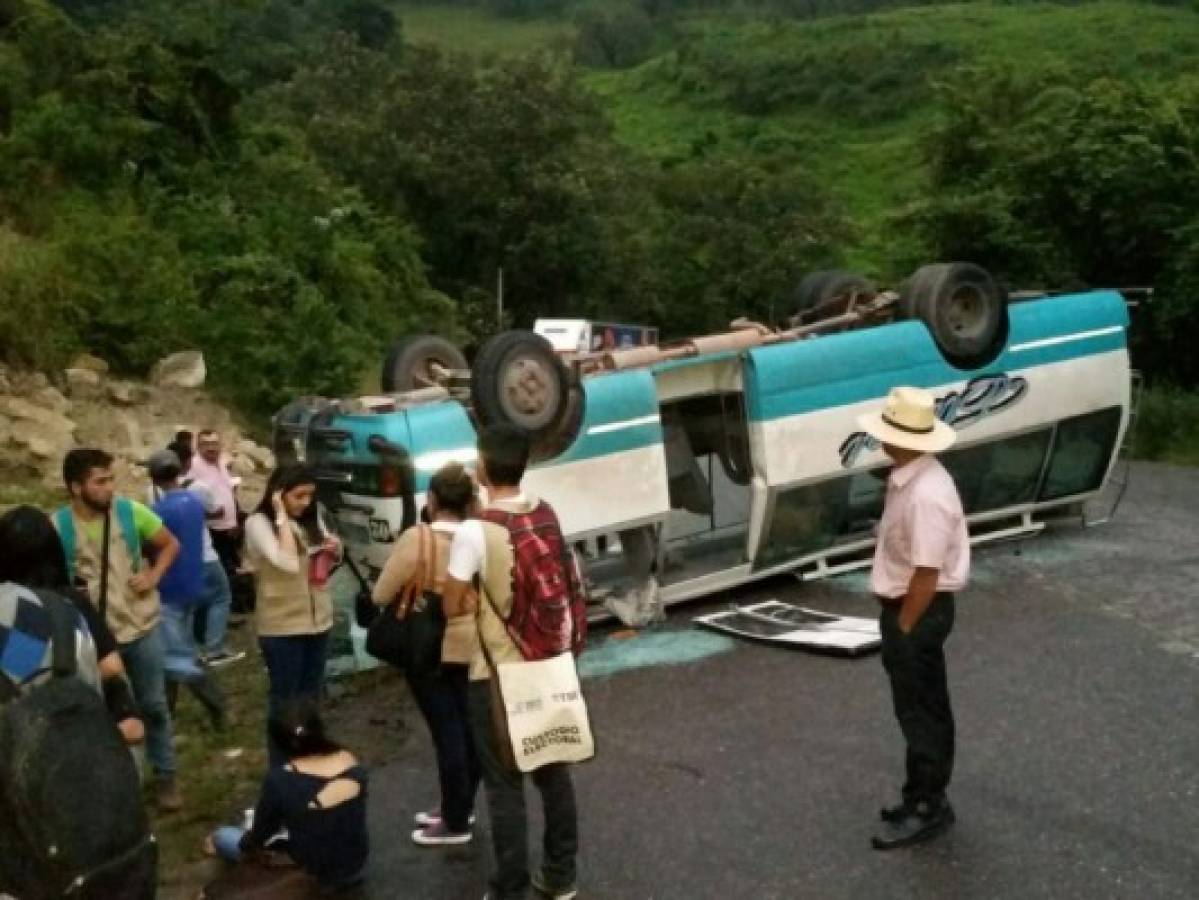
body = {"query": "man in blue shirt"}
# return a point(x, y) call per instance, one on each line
point(182, 586)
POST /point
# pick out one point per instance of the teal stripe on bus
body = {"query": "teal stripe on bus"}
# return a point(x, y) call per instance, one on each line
point(856, 366)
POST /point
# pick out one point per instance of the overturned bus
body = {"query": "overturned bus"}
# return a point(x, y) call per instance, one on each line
point(688, 468)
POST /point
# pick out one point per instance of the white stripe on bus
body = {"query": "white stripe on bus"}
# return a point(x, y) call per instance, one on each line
point(431, 462)
point(621, 426)
point(1066, 339)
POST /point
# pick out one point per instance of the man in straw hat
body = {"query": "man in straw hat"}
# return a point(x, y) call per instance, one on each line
point(921, 559)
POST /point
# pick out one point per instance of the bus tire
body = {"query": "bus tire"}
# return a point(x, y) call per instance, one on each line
point(518, 380)
point(965, 311)
point(817, 288)
point(409, 362)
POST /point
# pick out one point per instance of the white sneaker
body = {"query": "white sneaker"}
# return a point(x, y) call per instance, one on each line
point(439, 836)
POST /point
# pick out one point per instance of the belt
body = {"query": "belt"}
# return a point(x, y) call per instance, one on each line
point(898, 601)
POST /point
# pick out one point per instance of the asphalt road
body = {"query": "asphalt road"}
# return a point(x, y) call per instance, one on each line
point(758, 772)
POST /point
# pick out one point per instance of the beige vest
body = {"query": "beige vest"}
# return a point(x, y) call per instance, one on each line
point(287, 605)
point(130, 616)
point(497, 578)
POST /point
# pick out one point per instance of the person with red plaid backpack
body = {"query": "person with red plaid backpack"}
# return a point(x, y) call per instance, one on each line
point(513, 571)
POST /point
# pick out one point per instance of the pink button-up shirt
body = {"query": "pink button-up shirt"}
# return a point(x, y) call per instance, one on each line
point(923, 526)
point(218, 480)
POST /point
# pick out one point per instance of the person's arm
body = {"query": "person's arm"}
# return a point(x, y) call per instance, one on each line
point(931, 526)
point(166, 552)
point(268, 815)
point(399, 568)
point(274, 543)
point(468, 555)
point(151, 531)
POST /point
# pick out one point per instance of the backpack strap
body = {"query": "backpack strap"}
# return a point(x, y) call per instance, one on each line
point(64, 522)
point(128, 524)
point(63, 631)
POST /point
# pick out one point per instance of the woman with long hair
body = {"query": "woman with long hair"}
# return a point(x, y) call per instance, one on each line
point(291, 553)
point(441, 694)
point(312, 807)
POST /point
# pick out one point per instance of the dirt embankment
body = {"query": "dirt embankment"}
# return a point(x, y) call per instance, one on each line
point(43, 415)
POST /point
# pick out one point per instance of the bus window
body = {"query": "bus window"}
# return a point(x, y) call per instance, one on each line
point(1081, 453)
point(999, 474)
point(816, 516)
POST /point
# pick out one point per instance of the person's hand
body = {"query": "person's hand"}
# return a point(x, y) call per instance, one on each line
point(277, 506)
point(143, 582)
point(332, 544)
point(906, 622)
point(132, 730)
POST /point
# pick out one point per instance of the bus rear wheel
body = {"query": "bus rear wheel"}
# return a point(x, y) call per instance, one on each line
point(518, 380)
point(411, 362)
point(818, 288)
point(965, 311)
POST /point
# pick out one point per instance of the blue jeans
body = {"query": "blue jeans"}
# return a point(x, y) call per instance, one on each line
point(226, 840)
point(295, 667)
point(212, 612)
point(441, 697)
point(179, 646)
point(145, 661)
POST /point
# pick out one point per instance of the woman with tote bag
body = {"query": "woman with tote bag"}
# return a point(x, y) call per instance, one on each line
point(414, 574)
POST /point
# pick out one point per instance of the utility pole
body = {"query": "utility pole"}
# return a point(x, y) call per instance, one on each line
point(499, 299)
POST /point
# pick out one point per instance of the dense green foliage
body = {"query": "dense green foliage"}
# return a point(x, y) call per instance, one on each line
point(288, 184)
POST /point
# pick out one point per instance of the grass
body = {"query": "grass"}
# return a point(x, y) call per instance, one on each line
point(474, 30)
point(688, 99)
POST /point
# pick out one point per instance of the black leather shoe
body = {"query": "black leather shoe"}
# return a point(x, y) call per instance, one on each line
point(921, 825)
point(898, 812)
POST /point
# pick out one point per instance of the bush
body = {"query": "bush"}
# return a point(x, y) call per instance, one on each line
point(613, 36)
point(1168, 426)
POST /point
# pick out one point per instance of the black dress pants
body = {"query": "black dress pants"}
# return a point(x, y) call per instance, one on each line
point(915, 664)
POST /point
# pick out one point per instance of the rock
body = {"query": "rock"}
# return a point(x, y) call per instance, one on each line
point(125, 393)
point(51, 398)
point(242, 465)
point(90, 363)
point(128, 432)
point(22, 412)
point(180, 370)
point(5, 430)
point(81, 381)
point(36, 382)
point(41, 447)
point(261, 456)
point(5, 384)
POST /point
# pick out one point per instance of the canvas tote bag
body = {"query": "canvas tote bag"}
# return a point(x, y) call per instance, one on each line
point(544, 718)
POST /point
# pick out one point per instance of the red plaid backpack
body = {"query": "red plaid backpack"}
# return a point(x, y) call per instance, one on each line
point(549, 601)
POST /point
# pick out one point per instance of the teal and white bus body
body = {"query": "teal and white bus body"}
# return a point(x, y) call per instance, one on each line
point(744, 464)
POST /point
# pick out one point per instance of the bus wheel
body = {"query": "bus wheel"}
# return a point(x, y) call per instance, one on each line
point(518, 380)
point(410, 361)
point(964, 309)
point(818, 288)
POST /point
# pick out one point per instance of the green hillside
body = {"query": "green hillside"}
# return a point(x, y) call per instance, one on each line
point(848, 97)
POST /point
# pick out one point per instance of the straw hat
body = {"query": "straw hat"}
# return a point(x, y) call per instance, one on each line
point(909, 420)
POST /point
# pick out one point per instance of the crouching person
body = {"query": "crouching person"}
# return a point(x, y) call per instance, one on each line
point(312, 809)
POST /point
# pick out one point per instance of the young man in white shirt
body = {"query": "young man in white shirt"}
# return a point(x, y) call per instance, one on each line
point(921, 559)
point(482, 550)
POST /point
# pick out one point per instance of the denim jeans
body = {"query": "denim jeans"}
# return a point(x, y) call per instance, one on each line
point(145, 661)
point(441, 697)
point(179, 647)
point(226, 840)
point(212, 612)
point(509, 821)
point(295, 666)
point(915, 664)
